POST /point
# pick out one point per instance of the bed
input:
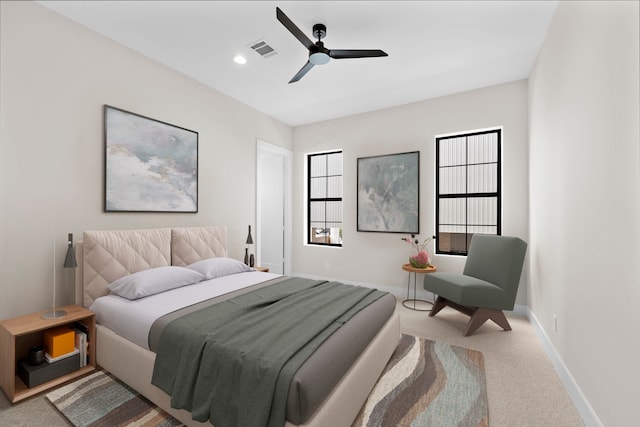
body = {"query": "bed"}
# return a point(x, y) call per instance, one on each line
point(106, 257)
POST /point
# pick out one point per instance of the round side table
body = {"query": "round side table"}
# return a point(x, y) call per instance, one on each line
point(414, 300)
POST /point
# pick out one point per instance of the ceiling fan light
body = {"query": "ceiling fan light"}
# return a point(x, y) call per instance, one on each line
point(319, 58)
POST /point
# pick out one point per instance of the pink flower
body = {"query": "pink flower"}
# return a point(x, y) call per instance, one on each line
point(421, 260)
point(422, 257)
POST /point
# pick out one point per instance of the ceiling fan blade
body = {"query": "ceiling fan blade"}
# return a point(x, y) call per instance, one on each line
point(293, 29)
point(302, 72)
point(356, 53)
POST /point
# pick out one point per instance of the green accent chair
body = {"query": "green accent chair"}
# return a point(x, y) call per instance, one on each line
point(488, 284)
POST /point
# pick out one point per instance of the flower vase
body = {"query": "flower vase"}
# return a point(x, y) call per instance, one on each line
point(419, 260)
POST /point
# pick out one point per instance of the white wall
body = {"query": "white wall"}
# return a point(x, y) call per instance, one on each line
point(376, 258)
point(584, 112)
point(56, 76)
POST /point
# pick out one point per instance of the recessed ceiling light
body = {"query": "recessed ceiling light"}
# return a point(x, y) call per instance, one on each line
point(239, 59)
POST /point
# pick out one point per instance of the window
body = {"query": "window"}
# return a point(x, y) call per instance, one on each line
point(468, 189)
point(324, 190)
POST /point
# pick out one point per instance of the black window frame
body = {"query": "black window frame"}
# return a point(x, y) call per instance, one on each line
point(311, 200)
point(467, 195)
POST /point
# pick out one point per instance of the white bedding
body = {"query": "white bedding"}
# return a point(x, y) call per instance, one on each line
point(133, 319)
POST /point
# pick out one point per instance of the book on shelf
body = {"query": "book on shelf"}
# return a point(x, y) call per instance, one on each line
point(81, 326)
point(50, 359)
point(82, 345)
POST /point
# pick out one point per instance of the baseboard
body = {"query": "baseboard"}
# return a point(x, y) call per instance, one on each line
point(588, 415)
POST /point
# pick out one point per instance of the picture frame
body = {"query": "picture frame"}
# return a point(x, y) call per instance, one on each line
point(388, 196)
point(149, 165)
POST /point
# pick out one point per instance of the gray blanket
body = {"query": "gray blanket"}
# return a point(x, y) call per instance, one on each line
point(232, 363)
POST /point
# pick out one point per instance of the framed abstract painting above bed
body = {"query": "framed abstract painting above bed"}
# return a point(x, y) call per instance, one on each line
point(150, 166)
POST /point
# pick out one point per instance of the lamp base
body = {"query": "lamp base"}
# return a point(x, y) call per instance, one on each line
point(54, 314)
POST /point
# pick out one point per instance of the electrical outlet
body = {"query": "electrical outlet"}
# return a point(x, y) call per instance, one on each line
point(555, 323)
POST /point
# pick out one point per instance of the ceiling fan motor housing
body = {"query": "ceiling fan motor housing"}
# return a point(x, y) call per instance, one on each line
point(319, 31)
point(318, 54)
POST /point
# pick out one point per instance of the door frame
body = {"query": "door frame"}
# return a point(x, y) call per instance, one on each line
point(265, 147)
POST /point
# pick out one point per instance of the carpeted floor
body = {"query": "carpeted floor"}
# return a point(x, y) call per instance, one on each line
point(425, 383)
point(522, 387)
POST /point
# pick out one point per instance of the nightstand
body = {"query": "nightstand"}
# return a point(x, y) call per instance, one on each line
point(19, 334)
point(263, 269)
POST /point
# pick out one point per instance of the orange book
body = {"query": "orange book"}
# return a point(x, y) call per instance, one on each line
point(59, 341)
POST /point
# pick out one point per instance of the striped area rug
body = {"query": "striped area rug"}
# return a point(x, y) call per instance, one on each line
point(428, 383)
point(98, 400)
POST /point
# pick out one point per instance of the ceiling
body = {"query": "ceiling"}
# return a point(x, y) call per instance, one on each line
point(435, 48)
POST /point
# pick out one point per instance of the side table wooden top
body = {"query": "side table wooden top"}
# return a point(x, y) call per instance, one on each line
point(430, 269)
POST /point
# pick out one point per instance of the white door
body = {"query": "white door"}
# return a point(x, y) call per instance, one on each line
point(273, 204)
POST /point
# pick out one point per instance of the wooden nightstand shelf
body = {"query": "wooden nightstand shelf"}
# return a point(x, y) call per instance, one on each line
point(263, 269)
point(19, 334)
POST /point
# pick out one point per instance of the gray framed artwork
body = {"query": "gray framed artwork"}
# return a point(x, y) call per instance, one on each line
point(389, 193)
point(150, 166)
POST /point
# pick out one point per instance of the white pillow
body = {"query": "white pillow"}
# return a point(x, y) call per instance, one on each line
point(211, 268)
point(154, 281)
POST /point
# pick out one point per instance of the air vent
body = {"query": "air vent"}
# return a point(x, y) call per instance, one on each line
point(263, 48)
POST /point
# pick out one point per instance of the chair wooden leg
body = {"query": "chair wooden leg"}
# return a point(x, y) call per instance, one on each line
point(501, 320)
point(481, 315)
point(478, 315)
point(437, 306)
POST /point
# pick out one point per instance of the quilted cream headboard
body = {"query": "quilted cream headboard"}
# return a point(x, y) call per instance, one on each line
point(189, 245)
point(109, 255)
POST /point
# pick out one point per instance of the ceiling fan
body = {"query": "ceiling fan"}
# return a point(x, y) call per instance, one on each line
point(318, 54)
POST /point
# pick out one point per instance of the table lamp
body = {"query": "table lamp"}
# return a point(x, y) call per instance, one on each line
point(69, 262)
